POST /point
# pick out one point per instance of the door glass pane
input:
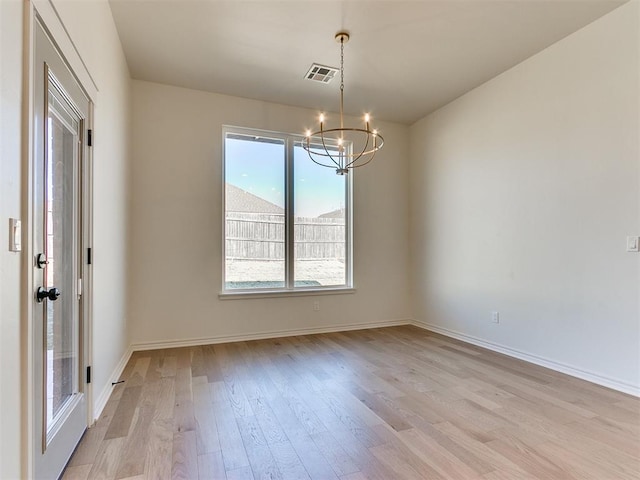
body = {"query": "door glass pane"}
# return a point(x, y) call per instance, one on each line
point(319, 223)
point(62, 335)
point(254, 216)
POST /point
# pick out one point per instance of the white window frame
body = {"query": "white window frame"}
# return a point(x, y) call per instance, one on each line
point(290, 141)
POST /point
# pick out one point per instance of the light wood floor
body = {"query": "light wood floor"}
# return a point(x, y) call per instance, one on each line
point(392, 403)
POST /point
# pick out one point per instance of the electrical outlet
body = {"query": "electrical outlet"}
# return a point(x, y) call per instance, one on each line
point(316, 305)
point(495, 317)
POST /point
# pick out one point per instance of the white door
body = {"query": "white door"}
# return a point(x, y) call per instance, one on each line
point(60, 121)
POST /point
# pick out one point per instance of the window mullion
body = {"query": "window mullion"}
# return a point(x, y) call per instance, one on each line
point(289, 223)
point(349, 227)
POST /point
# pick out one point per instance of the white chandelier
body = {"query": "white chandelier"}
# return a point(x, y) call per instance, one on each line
point(342, 148)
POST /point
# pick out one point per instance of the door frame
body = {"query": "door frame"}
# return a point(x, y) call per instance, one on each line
point(44, 13)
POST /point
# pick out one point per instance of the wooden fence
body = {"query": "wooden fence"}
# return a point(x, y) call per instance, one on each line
point(259, 236)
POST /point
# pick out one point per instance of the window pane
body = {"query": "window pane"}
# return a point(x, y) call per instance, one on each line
point(255, 195)
point(62, 344)
point(319, 223)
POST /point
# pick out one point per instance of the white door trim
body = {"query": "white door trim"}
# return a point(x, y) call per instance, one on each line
point(49, 17)
point(48, 13)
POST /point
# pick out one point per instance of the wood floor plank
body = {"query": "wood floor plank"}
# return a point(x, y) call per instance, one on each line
point(367, 436)
point(435, 455)
point(263, 465)
point(623, 443)
point(197, 362)
point(79, 472)
point(354, 476)
point(184, 457)
point(168, 366)
point(88, 448)
point(288, 462)
point(464, 455)
point(268, 422)
point(316, 465)
point(530, 460)
point(340, 461)
point(231, 444)
point(480, 450)
point(107, 460)
point(121, 421)
point(184, 416)
point(584, 468)
point(134, 452)
point(242, 473)
point(211, 466)
point(377, 405)
point(206, 429)
point(397, 462)
point(166, 399)
point(314, 462)
point(111, 407)
point(159, 450)
point(139, 371)
point(211, 364)
point(366, 462)
point(387, 403)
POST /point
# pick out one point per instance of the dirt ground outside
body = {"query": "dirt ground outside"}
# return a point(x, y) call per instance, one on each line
point(241, 273)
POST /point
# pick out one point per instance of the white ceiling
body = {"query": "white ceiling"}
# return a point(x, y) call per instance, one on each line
point(405, 58)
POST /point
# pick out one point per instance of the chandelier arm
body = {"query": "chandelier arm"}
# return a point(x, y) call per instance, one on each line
point(321, 164)
point(339, 165)
point(360, 130)
point(310, 153)
point(364, 149)
point(325, 147)
point(364, 163)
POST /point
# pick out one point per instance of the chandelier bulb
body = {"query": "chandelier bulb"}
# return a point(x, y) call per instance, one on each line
point(366, 117)
point(322, 118)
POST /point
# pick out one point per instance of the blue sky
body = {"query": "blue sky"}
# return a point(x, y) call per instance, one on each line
point(258, 168)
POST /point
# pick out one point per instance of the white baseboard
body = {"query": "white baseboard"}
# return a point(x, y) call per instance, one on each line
point(108, 388)
point(543, 362)
point(191, 342)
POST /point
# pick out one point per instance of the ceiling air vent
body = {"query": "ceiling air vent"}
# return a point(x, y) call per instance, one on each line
point(321, 73)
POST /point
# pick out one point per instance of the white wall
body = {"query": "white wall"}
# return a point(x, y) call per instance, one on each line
point(92, 30)
point(91, 26)
point(522, 194)
point(177, 213)
point(10, 191)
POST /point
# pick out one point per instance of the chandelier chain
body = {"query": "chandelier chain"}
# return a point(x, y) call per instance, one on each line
point(342, 64)
point(341, 82)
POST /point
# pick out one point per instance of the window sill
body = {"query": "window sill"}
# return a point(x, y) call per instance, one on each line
point(245, 295)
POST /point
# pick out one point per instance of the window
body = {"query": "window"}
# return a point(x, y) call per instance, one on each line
point(286, 218)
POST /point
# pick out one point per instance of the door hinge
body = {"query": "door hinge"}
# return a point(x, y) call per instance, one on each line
point(89, 374)
point(90, 138)
point(89, 256)
point(79, 287)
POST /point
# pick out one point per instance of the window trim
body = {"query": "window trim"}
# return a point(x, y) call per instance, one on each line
point(290, 141)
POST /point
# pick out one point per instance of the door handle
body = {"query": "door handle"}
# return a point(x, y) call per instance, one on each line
point(52, 294)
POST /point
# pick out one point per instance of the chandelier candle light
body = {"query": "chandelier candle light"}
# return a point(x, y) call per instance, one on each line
point(342, 148)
